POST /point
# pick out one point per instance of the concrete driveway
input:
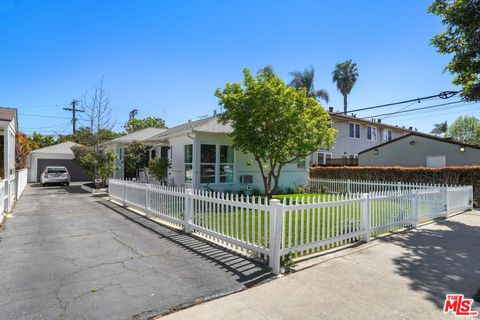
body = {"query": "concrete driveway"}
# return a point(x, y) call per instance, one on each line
point(65, 254)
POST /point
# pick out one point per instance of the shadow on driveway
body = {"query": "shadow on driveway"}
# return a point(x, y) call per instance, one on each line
point(247, 271)
point(440, 259)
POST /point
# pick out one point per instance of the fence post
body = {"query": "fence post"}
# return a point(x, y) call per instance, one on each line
point(147, 200)
point(447, 203)
point(471, 197)
point(415, 209)
point(188, 216)
point(349, 186)
point(124, 193)
point(366, 217)
point(276, 226)
point(399, 186)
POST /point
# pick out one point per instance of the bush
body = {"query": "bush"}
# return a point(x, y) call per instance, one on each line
point(465, 175)
point(158, 167)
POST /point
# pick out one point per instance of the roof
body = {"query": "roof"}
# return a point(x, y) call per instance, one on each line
point(373, 123)
point(8, 114)
point(61, 148)
point(423, 135)
point(210, 124)
point(139, 135)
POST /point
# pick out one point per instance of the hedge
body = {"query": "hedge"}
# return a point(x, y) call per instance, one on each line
point(465, 175)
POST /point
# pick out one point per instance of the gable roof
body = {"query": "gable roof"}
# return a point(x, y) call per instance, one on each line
point(423, 135)
point(140, 135)
point(61, 148)
point(8, 114)
point(210, 124)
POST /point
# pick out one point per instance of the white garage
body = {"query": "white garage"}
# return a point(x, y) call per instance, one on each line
point(57, 155)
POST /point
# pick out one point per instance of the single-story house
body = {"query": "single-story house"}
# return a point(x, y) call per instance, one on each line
point(8, 129)
point(57, 155)
point(118, 146)
point(420, 150)
point(202, 156)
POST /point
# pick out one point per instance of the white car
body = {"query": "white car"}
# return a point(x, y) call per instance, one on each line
point(58, 175)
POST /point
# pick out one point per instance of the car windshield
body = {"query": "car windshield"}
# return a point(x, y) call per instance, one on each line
point(56, 170)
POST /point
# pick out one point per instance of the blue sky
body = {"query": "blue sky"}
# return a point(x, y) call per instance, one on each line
point(166, 58)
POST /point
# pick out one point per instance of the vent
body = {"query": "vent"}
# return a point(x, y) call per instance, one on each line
point(246, 179)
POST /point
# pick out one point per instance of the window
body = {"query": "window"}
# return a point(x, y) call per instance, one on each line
point(324, 157)
point(301, 165)
point(226, 164)
point(372, 133)
point(387, 135)
point(153, 154)
point(188, 158)
point(208, 159)
point(354, 130)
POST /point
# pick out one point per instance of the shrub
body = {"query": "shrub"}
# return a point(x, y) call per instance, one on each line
point(465, 175)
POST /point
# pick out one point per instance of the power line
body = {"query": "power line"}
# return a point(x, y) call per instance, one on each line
point(441, 95)
point(416, 109)
point(41, 116)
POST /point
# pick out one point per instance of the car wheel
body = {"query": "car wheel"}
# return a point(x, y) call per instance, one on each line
point(67, 184)
point(43, 184)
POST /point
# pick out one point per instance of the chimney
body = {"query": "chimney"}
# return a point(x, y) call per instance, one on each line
point(330, 109)
point(214, 113)
point(379, 120)
point(410, 128)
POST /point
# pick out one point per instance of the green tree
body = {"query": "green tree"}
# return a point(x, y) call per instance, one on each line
point(158, 167)
point(23, 146)
point(136, 156)
point(133, 124)
point(440, 128)
point(41, 141)
point(461, 39)
point(304, 79)
point(345, 75)
point(465, 129)
point(85, 136)
point(277, 124)
point(96, 161)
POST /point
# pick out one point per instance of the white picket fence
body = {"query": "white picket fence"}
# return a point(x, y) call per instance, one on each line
point(364, 186)
point(269, 230)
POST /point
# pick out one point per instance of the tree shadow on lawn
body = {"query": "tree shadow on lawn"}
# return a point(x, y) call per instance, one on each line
point(440, 261)
point(246, 271)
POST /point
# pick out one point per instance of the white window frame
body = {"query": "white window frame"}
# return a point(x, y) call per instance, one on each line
point(324, 157)
point(185, 164)
point(372, 129)
point(355, 131)
point(429, 163)
point(387, 139)
point(225, 163)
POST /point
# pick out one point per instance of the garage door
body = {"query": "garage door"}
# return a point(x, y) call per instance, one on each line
point(76, 173)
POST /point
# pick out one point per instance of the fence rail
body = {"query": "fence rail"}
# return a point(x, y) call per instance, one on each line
point(271, 229)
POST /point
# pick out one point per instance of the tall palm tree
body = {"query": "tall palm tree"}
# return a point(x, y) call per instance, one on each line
point(345, 75)
point(440, 128)
point(304, 79)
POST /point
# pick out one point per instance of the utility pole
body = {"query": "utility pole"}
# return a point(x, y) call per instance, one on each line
point(133, 114)
point(73, 109)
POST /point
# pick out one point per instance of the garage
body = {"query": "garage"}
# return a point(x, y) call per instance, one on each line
point(57, 155)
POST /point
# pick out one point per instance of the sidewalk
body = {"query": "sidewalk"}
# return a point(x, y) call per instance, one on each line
point(402, 276)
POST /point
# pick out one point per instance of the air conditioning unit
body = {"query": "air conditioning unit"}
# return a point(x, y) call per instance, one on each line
point(246, 178)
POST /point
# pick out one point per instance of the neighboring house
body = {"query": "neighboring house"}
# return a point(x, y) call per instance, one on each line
point(420, 150)
point(57, 155)
point(118, 146)
point(355, 135)
point(8, 128)
point(201, 156)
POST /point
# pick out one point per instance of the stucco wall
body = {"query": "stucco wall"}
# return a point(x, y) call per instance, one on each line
point(403, 153)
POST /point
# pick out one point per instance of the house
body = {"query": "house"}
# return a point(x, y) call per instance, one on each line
point(57, 155)
point(420, 150)
point(118, 146)
point(8, 129)
point(355, 135)
point(201, 156)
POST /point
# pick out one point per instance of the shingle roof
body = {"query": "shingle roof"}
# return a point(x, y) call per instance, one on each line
point(347, 117)
point(210, 124)
point(8, 114)
point(61, 148)
point(140, 135)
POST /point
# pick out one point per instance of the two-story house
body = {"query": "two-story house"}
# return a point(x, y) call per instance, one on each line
point(355, 135)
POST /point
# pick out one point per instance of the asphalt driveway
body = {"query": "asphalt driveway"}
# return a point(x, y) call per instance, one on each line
point(65, 254)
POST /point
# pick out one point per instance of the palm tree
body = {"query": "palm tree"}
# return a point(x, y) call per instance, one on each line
point(345, 75)
point(440, 128)
point(305, 80)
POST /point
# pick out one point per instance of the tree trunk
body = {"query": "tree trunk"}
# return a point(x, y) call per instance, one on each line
point(345, 103)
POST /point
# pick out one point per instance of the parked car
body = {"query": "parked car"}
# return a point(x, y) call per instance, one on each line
point(58, 175)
